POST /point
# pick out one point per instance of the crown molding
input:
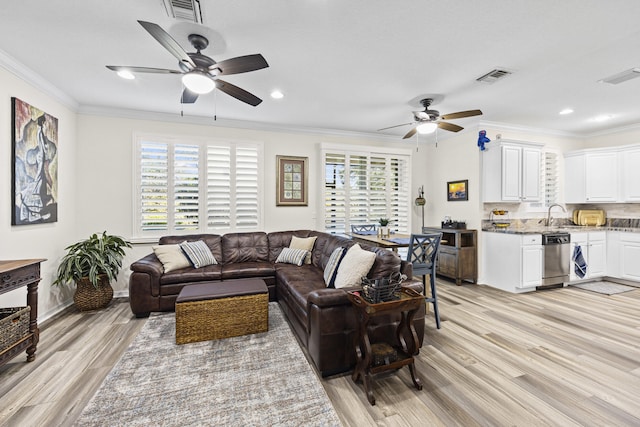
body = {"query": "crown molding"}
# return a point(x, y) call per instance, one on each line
point(629, 128)
point(36, 80)
point(529, 129)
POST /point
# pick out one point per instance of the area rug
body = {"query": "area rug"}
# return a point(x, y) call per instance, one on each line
point(255, 380)
point(604, 287)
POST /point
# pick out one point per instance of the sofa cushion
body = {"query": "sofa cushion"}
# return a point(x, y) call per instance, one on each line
point(303, 243)
point(356, 263)
point(198, 253)
point(245, 247)
point(245, 270)
point(331, 270)
point(207, 273)
point(213, 241)
point(171, 257)
point(292, 256)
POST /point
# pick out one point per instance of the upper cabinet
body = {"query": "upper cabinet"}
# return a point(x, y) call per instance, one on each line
point(591, 176)
point(511, 172)
point(630, 176)
point(603, 175)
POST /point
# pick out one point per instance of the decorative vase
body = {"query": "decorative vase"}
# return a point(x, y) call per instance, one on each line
point(88, 297)
point(384, 231)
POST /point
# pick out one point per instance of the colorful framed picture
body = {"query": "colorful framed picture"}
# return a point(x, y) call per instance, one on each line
point(34, 186)
point(457, 190)
point(292, 176)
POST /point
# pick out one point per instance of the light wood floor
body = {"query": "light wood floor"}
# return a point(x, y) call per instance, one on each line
point(562, 357)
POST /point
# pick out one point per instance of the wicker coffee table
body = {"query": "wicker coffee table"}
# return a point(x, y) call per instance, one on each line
point(215, 310)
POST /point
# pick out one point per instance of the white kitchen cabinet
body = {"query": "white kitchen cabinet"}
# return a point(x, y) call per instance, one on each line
point(630, 256)
point(594, 251)
point(630, 176)
point(511, 172)
point(591, 176)
point(512, 262)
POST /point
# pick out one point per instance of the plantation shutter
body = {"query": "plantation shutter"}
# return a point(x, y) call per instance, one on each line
point(362, 188)
point(246, 175)
point(198, 186)
point(185, 187)
point(153, 184)
point(335, 194)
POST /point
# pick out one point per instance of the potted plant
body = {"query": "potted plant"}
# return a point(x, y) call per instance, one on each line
point(384, 227)
point(92, 264)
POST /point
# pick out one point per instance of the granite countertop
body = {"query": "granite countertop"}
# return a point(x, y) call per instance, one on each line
point(568, 229)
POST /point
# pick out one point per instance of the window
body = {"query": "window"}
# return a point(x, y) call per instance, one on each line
point(186, 185)
point(362, 187)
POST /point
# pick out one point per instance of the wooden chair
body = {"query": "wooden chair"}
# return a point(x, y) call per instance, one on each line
point(422, 252)
point(368, 229)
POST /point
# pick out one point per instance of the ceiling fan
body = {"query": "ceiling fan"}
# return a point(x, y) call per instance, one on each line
point(199, 72)
point(427, 121)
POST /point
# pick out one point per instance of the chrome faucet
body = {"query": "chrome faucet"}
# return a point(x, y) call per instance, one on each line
point(549, 219)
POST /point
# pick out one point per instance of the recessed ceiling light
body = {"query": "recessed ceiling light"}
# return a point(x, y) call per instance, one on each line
point(566, 111)
point(603, 118)
point(276, 94)
point(126, 74)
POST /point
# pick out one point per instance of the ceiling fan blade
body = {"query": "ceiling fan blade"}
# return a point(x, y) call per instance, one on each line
point(396, 126)
point(117, 68)
point(167, 42)
point(241, 64)
point(450, 127)
point(461, 114)
point(410, 134)
point(238, 93)
point(188, 97)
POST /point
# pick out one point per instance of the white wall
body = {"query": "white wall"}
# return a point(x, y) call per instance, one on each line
point(43, 240)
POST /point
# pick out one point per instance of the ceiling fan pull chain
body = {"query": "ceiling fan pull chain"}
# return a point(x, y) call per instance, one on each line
point(215, 105)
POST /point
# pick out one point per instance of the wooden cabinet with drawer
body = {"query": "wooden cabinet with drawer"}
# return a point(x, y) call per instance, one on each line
point(457, 256)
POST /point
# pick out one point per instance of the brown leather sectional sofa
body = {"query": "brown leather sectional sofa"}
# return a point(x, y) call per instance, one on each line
point(321, 317)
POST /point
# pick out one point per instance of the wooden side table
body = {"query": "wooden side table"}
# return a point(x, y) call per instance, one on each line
point(13, 275)
point(408, 304)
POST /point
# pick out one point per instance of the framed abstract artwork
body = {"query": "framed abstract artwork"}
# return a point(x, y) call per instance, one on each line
point(457, 190)
point(292, 176)
point(34, 184)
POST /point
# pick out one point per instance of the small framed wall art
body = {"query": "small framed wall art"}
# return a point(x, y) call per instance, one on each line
point(292, 177)
point(457, 190)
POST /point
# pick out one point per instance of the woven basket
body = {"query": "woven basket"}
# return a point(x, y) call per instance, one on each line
point(88, 297)
point(14, 325)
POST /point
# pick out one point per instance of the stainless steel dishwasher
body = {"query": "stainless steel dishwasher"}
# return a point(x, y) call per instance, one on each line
point(555, 260)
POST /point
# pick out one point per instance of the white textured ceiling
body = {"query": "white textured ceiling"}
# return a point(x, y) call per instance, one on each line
point(349, 65)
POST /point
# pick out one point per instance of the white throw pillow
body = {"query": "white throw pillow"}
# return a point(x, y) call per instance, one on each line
point(331, 270)
point(198, 253)
point(171, 257)
point(356, 264)
point(303, 243)
point(292, 256)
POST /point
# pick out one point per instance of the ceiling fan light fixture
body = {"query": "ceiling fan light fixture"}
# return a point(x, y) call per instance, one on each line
point(198, 82)
point(126, 74)
point(426, 128)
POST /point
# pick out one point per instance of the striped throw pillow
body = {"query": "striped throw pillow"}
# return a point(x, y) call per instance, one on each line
point(331, 270)
point(198, 253)
point(292, 256)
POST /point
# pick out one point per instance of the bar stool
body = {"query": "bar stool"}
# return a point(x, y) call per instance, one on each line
point(422, 252)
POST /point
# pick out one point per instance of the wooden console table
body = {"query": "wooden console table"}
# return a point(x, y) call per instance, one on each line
point(408, 304)
point(13, 275)
point(458, 254)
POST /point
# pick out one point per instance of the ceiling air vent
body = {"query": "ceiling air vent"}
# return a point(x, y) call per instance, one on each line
point(187, 10)
point(494, 76)
point(622, 77)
